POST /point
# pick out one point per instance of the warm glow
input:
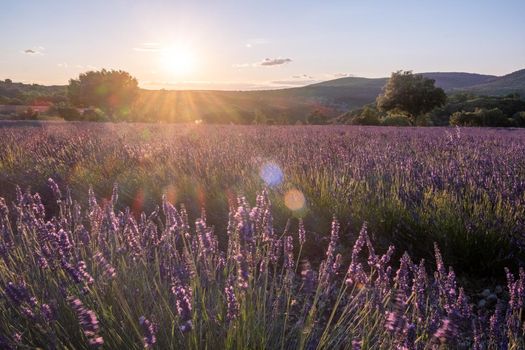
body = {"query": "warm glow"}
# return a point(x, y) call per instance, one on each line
point(178, 60)
point(294, 199)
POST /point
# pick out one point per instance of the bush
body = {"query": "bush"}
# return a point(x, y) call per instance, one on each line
point(518, 119)
point(465, 119)
point(94, 115)
point(396, 120)
point(365, 120)
point(28, 114)
point(69, 113)
point(480, 117)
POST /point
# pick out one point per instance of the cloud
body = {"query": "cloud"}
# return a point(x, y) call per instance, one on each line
point(275, 61)
point(63, 65)
point(342, 75)
point(267, 62)
point(149, 47)
point(34, 51)
point(303, 76)
point(255, 42)
point(295, 82)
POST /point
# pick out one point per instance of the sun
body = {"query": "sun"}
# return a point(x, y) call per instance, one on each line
point(179, 61)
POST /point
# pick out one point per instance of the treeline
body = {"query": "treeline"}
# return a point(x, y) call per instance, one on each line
point(460, 110)
point(12, 93)
point(412, 100)
point(109, 95)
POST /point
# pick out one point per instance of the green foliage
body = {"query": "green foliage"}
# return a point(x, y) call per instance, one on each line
point(480, 117)
point(410, 93)
point(519, 119)
point(368, 115)
point(396, 120)
point(69, 113)
point(94, 115)
point(110, 90)
point(27, 94)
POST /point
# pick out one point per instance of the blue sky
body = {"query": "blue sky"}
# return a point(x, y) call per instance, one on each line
point(256, 44)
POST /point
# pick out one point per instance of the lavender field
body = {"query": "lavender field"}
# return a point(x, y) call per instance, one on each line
point(245, 237)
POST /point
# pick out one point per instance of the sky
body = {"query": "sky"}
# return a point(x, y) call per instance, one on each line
point(246, 45)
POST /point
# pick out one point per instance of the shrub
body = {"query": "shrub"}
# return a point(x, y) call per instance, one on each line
point(465, 119)
point(480, 117)
point(518, 119)
point(28, 114)
point(69, 113)
point(365, 120)
point(396, 120)
point(94, 115)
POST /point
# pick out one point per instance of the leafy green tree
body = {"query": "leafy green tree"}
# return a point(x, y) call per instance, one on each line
point(411, 93)
point(110, 90)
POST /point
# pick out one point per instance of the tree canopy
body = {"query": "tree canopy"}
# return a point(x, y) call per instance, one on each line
point(110, 90)
point(410, 93)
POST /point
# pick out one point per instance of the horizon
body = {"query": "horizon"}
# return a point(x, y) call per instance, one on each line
point(279, 87)
point(251, 46)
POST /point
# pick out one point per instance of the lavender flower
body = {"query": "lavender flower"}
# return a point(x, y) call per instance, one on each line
point(302, 233)
point(88, 322)
point(108, 270)
point(232, 303)
point(288, 253)
point(150, 330)
point(446, 333)
point(355, 272)
point(184, 305)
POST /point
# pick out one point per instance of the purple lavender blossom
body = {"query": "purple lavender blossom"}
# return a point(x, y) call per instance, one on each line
point(231, 302)
point(184, 305)
point(302, 233)
point(88, 322)
point(150, 330)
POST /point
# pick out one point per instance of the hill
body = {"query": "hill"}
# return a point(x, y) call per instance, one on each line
point(20, 93)
point(291, 105)
point(504, 85)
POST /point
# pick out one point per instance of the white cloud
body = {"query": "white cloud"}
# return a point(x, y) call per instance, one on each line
point(342, 75)
point(149, 47)
point(255, 42)
point(275, 61)
point(267, 62)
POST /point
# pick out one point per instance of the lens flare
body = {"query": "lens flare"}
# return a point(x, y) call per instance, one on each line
point(294, 200)
point(271, 174)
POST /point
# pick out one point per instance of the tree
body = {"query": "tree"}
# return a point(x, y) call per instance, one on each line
point(411, 93)
point(110, 90)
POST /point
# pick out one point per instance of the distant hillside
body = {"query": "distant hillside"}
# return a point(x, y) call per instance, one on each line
point(353, 92)
point(331, 98)
point(20, 93)
point(504, 85)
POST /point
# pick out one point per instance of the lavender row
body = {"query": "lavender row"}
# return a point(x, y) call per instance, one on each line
point(97, 276)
